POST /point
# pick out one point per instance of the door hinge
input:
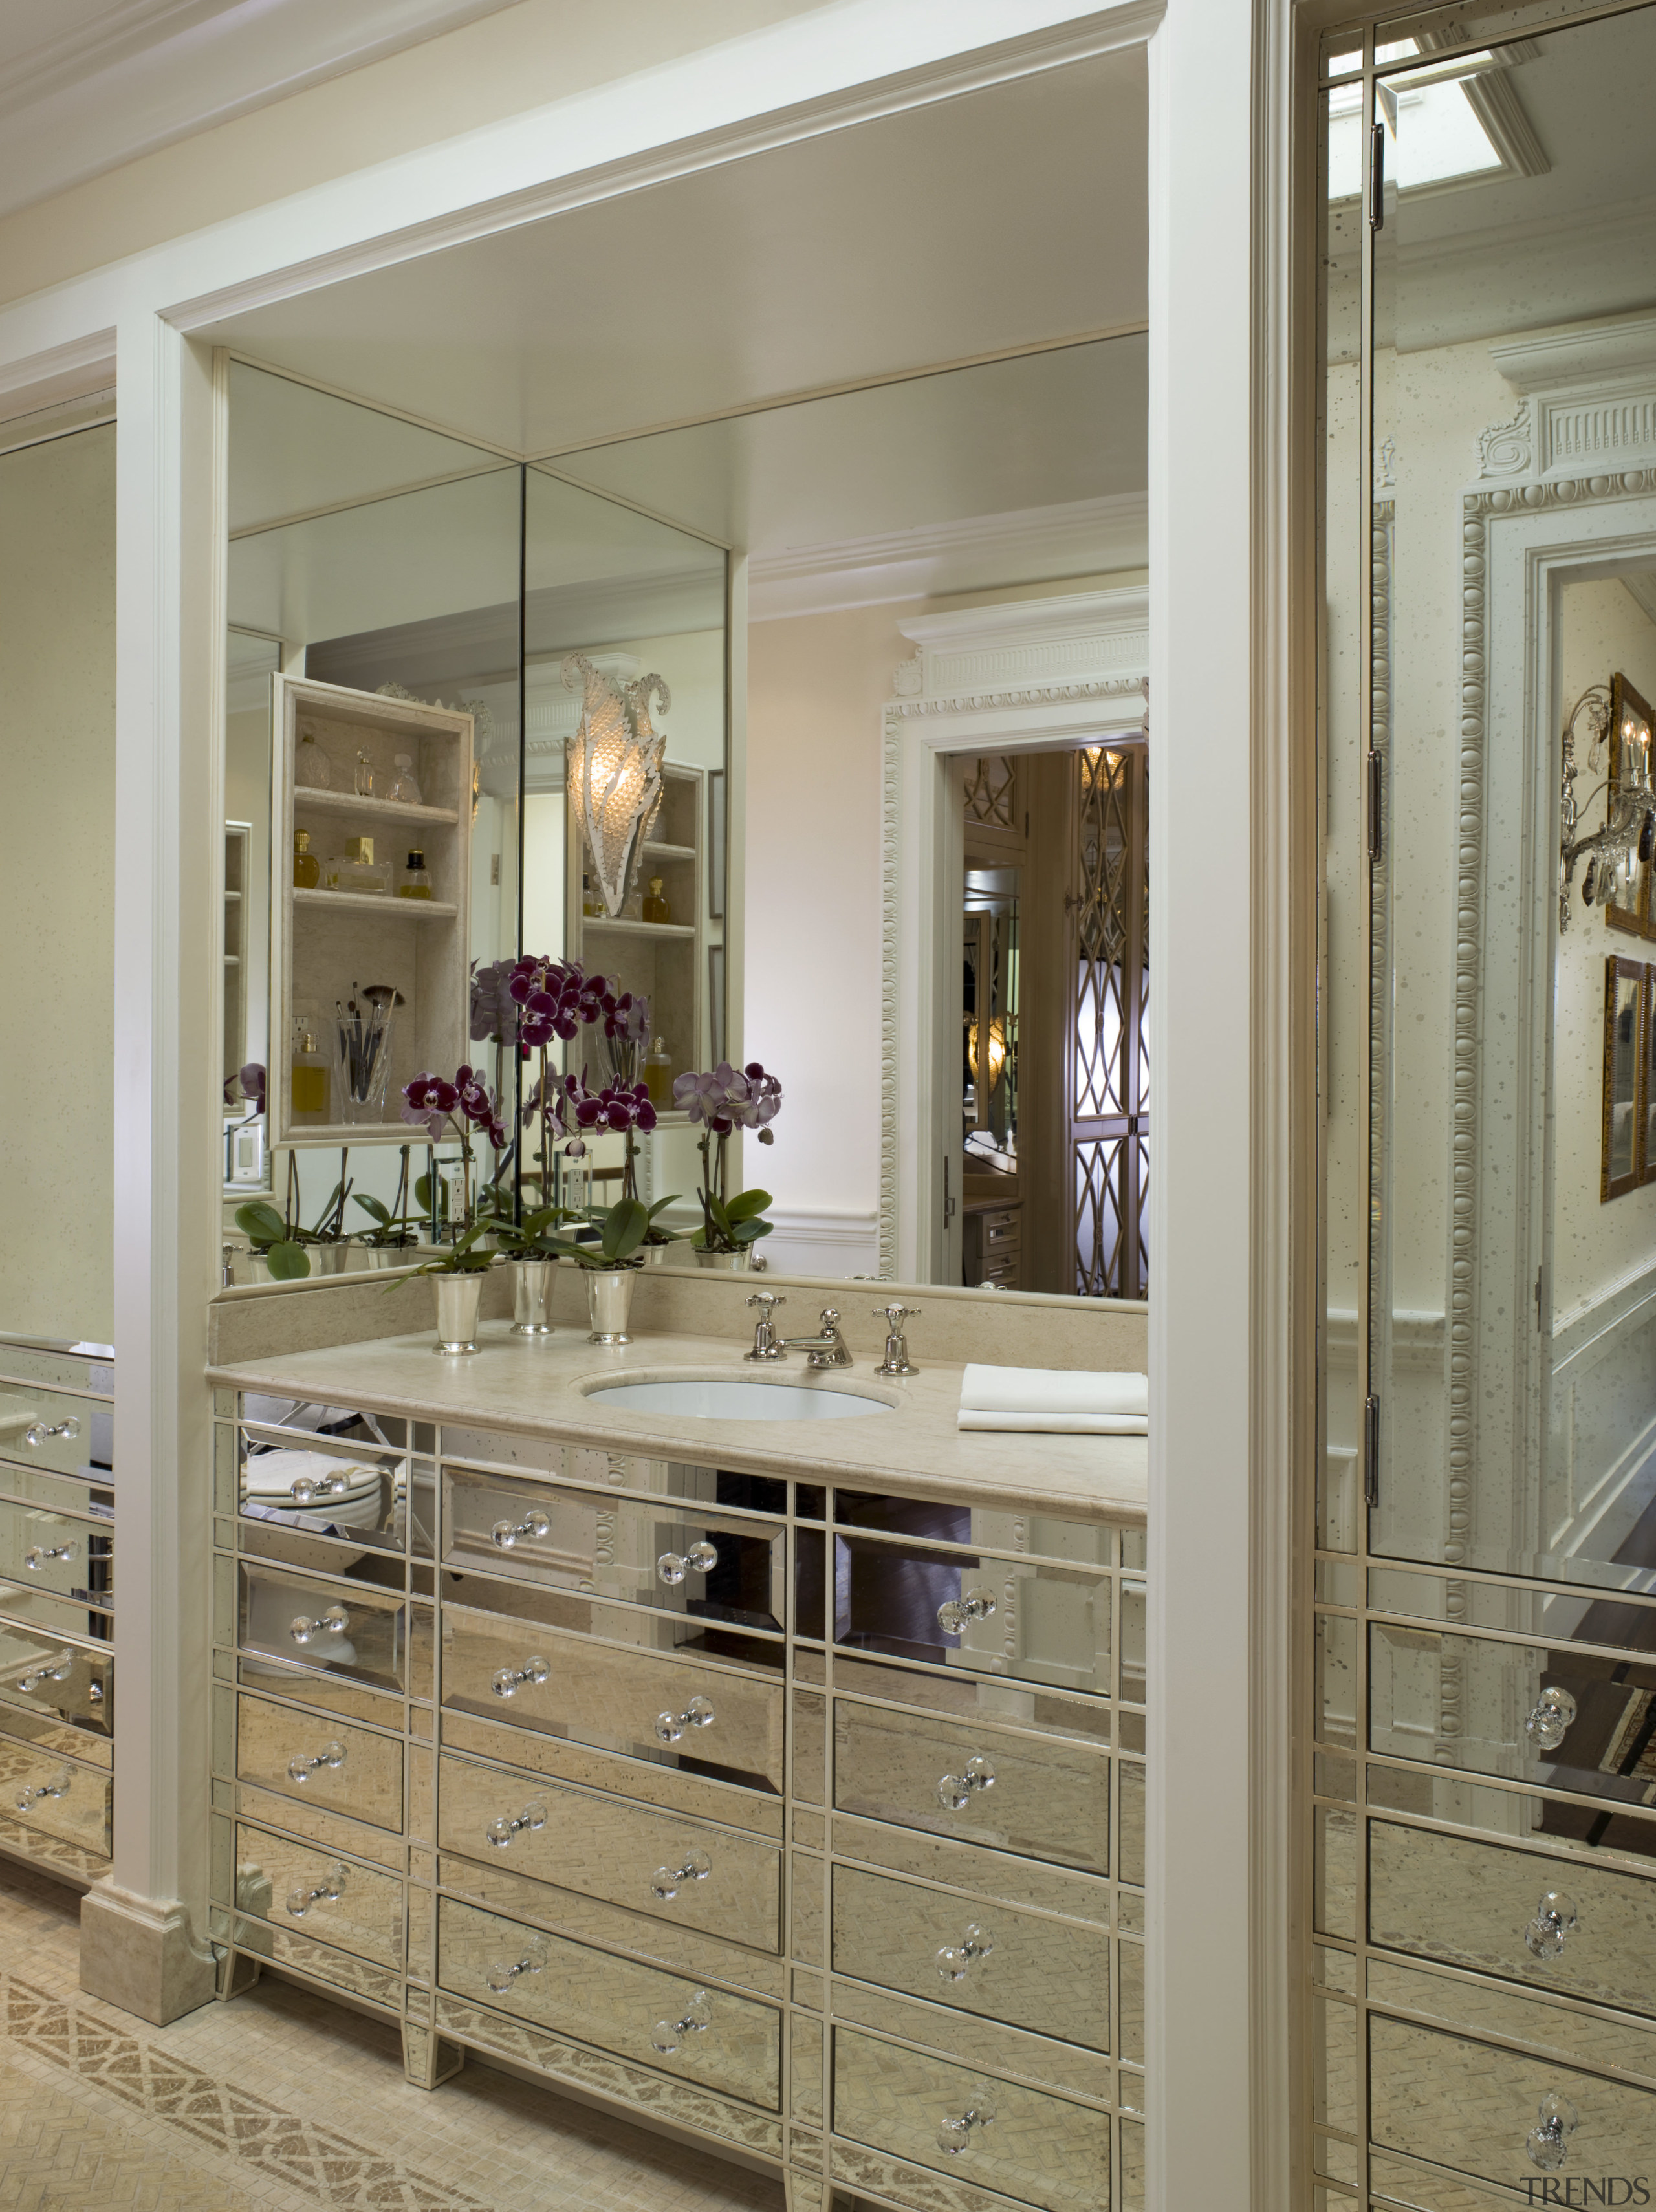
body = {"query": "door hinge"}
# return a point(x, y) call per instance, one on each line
point(1372, 1449)
point(1376, 802)
point(1376, 177)
point(948, 1202)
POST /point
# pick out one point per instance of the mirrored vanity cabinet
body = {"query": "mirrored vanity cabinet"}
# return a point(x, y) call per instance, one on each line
point(57, 1605)
point(804, 1820)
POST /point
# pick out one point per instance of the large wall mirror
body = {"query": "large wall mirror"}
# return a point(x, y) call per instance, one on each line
point(889, 642)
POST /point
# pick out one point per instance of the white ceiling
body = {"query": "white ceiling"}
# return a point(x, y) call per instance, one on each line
point(88, 84)
point(997, 220)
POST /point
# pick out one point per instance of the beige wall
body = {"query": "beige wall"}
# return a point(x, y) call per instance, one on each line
point(57, 885)
point(519, 59)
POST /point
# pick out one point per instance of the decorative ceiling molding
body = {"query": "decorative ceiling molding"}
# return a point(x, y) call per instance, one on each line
point(79, 370)
point(1078, 645)
point(149, 72)
point(1588, 398)
point(1088, 537)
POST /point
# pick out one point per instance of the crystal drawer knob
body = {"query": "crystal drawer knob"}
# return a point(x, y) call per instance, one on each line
point(667, 2034)
point(300, 1769)
point(667, 1881)
point(954, 2132)
point(505, 1533)
point(500, 1831)
point(305, 1489)
point(956, 1791)
point(507, 1683)
point(335, 1621)
point(530, 1960)
point(57, 1787)
point(698, 1714)
point(700, 1559)
point(1555, 1920)
point(1545, 1728)
point(971, 1605)
point(55, 1670)
point(331, 1888)
point(954, 1959)
point(39, 1432)
point(42, 1554)
point(1548, 2144)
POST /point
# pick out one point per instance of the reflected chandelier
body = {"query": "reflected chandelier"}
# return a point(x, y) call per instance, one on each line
point(615, 771)
point(1628, 832)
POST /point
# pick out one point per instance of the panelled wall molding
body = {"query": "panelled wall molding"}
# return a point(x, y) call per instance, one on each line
point(1028, 676)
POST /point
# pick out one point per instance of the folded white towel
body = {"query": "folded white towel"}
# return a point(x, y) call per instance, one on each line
point(1074, 1424)
point(1053, 1390)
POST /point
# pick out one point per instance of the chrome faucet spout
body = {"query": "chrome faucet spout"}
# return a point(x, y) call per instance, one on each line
point(828, 1348)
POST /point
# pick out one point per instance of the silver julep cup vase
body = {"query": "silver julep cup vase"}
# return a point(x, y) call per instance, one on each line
point(459, 1297)
point(531, 1297)
point(609, 1304)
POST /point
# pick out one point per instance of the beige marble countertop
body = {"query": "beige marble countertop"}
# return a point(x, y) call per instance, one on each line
point(537, 1385)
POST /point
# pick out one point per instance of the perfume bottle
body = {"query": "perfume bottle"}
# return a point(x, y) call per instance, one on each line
point(312, 768)
point(416, 882)
point(658, 1073)
point(356, 870)
point(309, 1077)
point(307, 868)
point(590, 905)
point(404, 789)
point(656, 906)
point(364, 776)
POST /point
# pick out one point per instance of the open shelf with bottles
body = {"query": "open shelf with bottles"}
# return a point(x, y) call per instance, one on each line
point(667, 961)
point(330, 944)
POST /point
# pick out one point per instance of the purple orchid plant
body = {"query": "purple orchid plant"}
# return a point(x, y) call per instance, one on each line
point(452, 1112)
point(723, 1100)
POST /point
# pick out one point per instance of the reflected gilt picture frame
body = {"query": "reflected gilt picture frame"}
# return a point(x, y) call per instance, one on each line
point(1627, 1020)
point(1632, 755)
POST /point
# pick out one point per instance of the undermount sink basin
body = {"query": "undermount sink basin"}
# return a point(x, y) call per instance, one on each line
point(736, 1398)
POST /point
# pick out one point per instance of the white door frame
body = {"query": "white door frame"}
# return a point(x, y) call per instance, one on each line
point(1031, 676)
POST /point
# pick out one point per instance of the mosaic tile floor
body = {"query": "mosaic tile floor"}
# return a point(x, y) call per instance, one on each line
point(282, 2102)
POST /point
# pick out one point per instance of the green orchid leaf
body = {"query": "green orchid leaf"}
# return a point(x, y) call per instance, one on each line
point(746, 1203)
point(287, 1262)
point(749, 1232)
point(259, 1224)
point(373, 1207)
point(662, 1205)
point(624, 1228)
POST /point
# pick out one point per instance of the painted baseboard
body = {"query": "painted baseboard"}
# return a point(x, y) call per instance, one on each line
point(825, 1242)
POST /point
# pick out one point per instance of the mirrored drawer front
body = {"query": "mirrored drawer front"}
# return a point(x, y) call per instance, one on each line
point(1046, 1975)
point(1049, 1801)
point(46, 1550)
point(1526, 1711)
point(361, 1977)
point(1084, 1543)
point(1580, 1930)
point(997, 1876)
point(649, 1704)
point(343, 1628)
point(709, 2036)
point(46, 1613)
point(86, 1497)
point(1500, 2117)
point(321, 1760)
point(49, 1429)
point(56, 1796)
point(1037, 1624)
point(58, 1739)
point(698, 1564)
point(672, 1869)
point(665, 1788)
point(1038, 2150)
point(41, 1675)
point(28, 1366)
point(292, 1884)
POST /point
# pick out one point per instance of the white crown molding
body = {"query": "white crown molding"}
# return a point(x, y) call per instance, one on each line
point(1080, 537)
point(77, 370)
point(1024, 652)
point(150, 72)
point(1577, 353)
